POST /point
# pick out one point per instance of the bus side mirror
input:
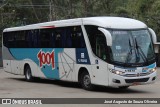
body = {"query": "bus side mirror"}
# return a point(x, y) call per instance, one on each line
point(107, 35)
point(154, 37)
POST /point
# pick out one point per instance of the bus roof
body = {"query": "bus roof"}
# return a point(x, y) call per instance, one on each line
point(107, 22)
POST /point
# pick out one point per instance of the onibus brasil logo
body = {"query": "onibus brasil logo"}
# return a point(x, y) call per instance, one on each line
point(46, 58)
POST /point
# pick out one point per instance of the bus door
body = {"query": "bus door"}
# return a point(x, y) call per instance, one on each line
point(100, 67)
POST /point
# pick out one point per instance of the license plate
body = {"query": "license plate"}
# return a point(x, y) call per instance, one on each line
point(130, 70)
point(135, 83)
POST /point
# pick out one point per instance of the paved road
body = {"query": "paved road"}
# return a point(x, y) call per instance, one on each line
point(15, 86)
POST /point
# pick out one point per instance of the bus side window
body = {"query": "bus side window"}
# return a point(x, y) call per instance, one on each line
point(97, 41)
point(52, 40)
point(28, 38)
point(20, 39)
point(5, 39)
point(58, 40)
point(36, 37)
point(73, 36)
point(63, 37)
point(68, 38)
point(101, 46)
point(11, 40)
point(44, 38)
point(80, 40)
point(77, 37)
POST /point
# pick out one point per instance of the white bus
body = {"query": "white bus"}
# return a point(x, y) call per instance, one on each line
point(108, 51)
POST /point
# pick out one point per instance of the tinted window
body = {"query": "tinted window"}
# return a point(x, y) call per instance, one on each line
point(64, 37)
point(15, 39)
point(97, 41)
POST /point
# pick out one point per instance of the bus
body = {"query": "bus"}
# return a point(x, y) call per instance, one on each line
point(107, 51)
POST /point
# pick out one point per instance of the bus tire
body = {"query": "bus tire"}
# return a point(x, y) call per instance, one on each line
point(28, 74)
point(86, 81)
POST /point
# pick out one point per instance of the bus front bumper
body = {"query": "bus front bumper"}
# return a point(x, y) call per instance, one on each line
point(119, 81)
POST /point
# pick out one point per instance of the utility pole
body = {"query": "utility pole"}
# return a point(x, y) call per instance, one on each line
point(71, 9)
point(85, 4)
point(85, 8)
point(50, 10)
point(52, 13)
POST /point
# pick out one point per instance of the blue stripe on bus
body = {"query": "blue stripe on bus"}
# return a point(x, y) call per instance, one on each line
point(149, 67)
point(31, 53)
point(152, 65)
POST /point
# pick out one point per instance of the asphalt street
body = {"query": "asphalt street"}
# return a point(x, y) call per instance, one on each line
point(15, 86)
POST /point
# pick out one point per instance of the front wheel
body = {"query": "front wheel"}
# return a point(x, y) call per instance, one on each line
point(28, 74)
point(86, 81)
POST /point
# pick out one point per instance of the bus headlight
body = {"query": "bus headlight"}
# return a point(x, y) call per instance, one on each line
point(117, 72)
point(153, 70)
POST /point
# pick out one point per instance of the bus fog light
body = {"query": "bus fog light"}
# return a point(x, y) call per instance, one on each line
point(116, 81)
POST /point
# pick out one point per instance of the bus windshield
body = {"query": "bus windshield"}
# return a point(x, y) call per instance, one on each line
point(131, 46)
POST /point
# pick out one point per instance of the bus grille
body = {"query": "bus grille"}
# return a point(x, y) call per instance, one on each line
point(136, 80)
point(135, 75)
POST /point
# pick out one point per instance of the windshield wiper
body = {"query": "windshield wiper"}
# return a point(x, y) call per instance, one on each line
point(129, 53)
point(141, 52)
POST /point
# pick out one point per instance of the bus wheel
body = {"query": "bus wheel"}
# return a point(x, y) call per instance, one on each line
point(28, 74)
point(124, 87)
point(86, 81)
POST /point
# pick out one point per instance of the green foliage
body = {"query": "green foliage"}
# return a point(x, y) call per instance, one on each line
point(121, 11)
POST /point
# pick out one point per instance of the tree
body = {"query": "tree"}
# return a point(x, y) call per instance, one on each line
point(122, 12)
